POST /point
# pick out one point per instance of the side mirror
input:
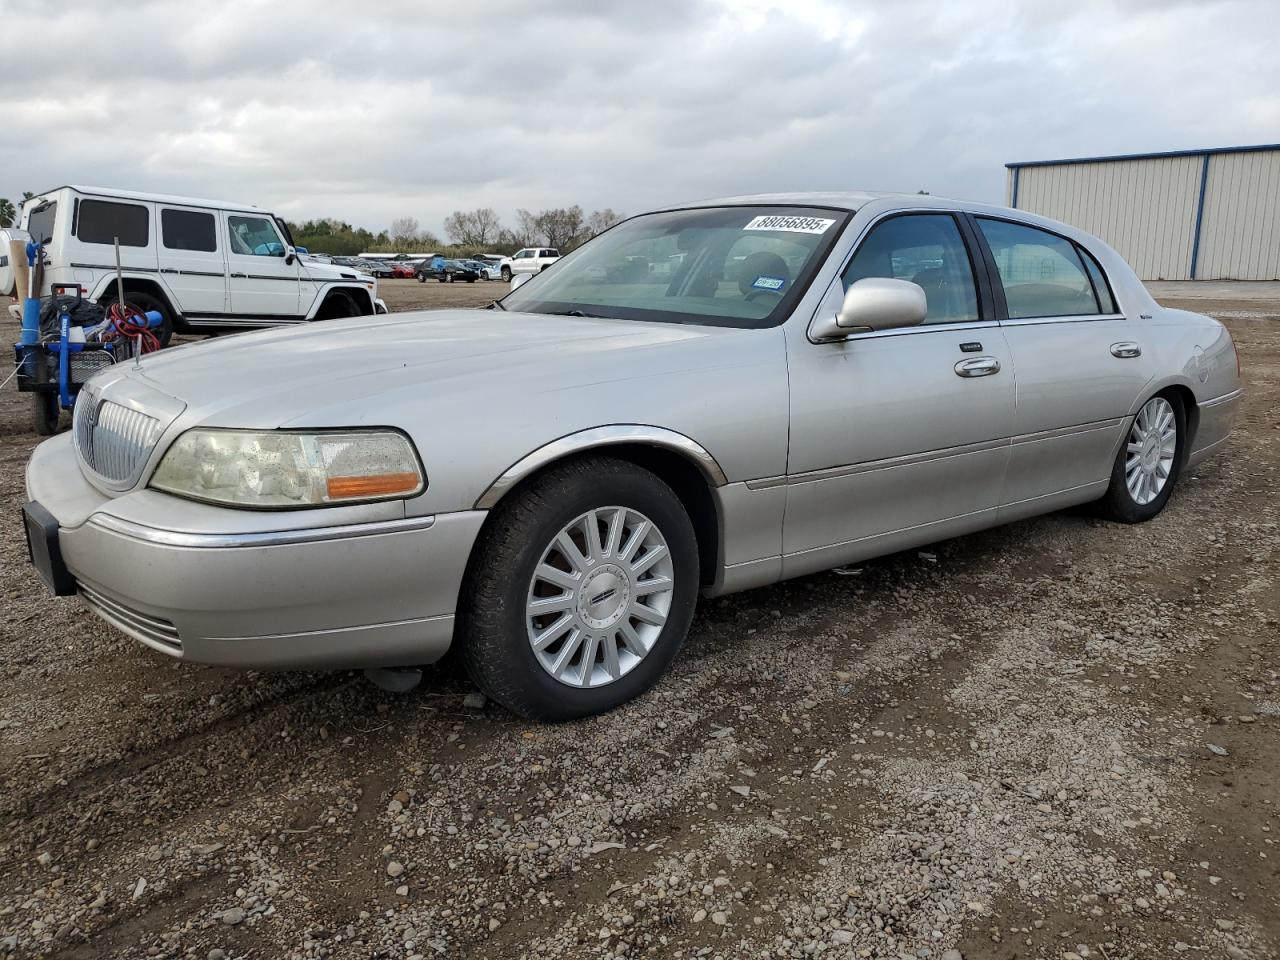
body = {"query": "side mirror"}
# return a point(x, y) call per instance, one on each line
point(874, 303)
point(290, 254)
point(520, 278)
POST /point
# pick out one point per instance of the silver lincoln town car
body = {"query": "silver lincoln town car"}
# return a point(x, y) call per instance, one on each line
point(703, 399)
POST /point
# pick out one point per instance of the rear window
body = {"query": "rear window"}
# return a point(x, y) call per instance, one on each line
point(188, 230)
point(40, 222)
point(99, 221)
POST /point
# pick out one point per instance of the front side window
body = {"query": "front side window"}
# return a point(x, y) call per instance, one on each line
point(926, 249)
point(254, 237)
point(1041, 272)
point(720, 266)
point(99, 221)
point(188, 230)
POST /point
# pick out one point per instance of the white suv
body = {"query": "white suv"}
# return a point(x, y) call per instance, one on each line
point(529, 260)
point(203, 264)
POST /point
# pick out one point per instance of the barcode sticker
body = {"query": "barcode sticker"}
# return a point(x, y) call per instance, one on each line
point(790, 224)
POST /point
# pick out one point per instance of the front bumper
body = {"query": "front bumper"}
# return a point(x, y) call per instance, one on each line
point(197, 582)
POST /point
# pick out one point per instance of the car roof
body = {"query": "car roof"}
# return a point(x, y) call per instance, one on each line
point(117, 194)
point(847, 200)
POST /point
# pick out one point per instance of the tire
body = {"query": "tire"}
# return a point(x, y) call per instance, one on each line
point(1131, 498)
point(45, 413)
point(337, 305)
point(506, 274)
point(146, 302)
point(422, 278)
point(520, 539)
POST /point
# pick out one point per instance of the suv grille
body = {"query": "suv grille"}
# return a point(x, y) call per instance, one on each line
point(113, 441)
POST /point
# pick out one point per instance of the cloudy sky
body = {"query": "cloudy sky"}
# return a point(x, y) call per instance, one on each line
point(369, 111)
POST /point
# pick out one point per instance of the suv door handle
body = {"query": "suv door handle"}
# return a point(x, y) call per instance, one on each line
point(1126, 349)
point(978, 367)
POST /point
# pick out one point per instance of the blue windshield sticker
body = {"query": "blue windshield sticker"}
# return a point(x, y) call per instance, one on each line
point(769, 283)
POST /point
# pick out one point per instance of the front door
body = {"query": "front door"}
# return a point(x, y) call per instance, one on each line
point(899, 437)
point(262, 285)
point(192, 262)
point(1079, 366)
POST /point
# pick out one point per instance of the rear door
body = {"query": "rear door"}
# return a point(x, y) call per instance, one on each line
point(900, 436)
point(261, 285)
point(1073, 351)
point(193, 262)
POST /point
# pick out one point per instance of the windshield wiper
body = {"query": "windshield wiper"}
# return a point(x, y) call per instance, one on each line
point(583, 313)
point(496, 304)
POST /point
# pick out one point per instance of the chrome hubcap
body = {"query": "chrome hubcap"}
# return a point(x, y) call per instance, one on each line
point(599, 597)
point(1153, 441)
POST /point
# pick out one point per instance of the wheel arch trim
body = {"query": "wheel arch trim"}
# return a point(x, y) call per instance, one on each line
point(598, 438)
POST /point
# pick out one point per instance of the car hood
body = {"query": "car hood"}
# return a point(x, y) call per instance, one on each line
point(358, 370)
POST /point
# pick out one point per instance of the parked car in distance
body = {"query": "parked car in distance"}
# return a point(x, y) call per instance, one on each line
point(203, 265)
point(378, 268)
point(445, 271)
point(551, 483)
point(491, 265)
point(403, 269)
point(529, 260)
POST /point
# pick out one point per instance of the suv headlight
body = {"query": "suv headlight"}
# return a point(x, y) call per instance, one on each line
point(278, 469)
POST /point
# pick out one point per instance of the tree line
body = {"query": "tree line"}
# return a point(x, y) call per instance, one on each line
point(467, 232)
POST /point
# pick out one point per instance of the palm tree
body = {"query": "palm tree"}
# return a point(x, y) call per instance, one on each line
point(7, 212)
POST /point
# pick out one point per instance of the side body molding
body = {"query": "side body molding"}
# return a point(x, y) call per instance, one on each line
point(595, 438)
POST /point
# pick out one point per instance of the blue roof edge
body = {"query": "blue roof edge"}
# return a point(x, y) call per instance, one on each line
point(1207, 151)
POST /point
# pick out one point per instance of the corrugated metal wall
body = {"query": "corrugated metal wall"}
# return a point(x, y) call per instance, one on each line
point(1240, 232)
point(1146, 208)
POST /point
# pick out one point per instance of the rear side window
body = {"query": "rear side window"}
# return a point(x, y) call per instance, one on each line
point(1041, 272)
point(1106, 302)
point(925, 249)
point(551, 253)
point(99, 221)
point(40, 222)
point(188, 230)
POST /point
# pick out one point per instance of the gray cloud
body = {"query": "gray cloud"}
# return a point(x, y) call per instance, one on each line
point(327, 108)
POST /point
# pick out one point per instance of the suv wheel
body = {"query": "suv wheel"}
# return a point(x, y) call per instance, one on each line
point(580, 591)
point(506, 274)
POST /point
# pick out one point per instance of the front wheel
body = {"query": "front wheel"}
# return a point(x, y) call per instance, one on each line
point(506, 274)
point(422, 278)
point(1149, 461)
point(581, 590)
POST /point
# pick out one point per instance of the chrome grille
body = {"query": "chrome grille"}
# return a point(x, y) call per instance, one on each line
point(113, 441)
point(153, 631)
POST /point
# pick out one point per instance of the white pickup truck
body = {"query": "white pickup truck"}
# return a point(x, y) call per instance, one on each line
point(202, 264)
point(528, 260)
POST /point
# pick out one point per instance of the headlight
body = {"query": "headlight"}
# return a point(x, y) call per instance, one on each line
point(277, 469)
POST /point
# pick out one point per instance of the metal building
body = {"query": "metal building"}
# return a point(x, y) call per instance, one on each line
point(1184, 215)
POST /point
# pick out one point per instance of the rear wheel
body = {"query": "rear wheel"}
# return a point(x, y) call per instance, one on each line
point(45, 413)
point(581, 590)
point(1149, 461)
point(422, 278)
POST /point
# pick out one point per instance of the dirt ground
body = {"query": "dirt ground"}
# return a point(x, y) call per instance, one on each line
point(1057, 739)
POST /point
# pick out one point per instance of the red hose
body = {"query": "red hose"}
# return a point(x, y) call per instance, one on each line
point(128, 322)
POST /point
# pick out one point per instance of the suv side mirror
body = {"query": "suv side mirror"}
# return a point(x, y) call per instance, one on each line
point(874, 303)
point(290, 254)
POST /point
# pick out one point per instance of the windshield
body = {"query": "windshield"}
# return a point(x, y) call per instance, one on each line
point(726, 266)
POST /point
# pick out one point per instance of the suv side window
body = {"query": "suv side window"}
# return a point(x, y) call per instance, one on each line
point(188, 230)
point(99, 221)
point(1041, 272)
point(926, 249)
point(254, 237)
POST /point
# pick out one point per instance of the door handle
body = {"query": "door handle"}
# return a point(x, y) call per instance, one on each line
point(978, 367)
point(1126, 349)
